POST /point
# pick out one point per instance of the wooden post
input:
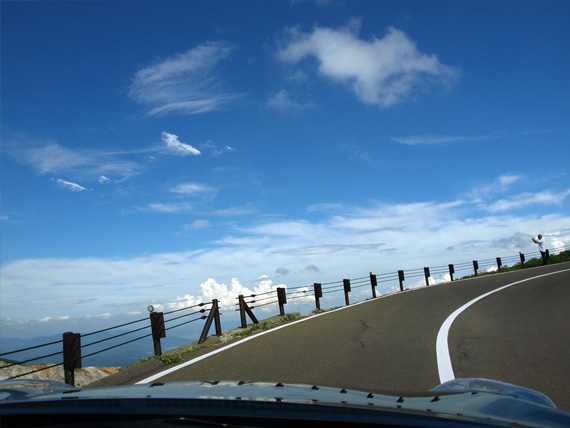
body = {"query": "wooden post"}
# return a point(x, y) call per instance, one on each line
point(346, 283)
point(158, 330)
point(373, 284)
point(213, 316)
point(427, 275)
point(499, 263)
point(318, 294)
point(401, 278)
point(475, 266)
point(521, 255)
point(282, 298)
point(71, 356)
point(243, 309)
point(451, 271)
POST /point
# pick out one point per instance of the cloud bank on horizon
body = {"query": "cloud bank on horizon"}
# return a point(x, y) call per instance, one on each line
point(333, 140)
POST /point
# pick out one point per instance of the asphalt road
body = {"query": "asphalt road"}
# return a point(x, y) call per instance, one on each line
point(518, 335)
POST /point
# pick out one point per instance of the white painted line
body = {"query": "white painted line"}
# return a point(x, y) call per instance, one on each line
point(443, 358)
point(217, 351)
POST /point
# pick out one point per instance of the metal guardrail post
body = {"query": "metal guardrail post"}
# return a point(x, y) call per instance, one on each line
point(282, 299)
point(244, 309)
point(401, 278)
point(451, 271)
point(346, 283)
point(427, 275)
point(71, 355)
point(318, 294)
point(158, 331)
point(475, 266)
point(373, 284)
point(521, 255)
point(499, 263)
point(213, 316)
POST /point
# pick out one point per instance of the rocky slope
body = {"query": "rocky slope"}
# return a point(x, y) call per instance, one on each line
point(83, 376)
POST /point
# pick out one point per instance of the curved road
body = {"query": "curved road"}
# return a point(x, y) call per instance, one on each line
point(518, 335)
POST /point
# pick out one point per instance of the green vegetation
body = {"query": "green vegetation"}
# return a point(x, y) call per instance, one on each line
point(255, 328)
point(289, 317)
point(317, 311)
point(165, 358)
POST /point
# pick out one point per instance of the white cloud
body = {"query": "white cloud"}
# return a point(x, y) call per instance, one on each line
point(198, 224)
point(172, 208)
point(380, 71)
point(193, 189)
point(74, 187)
point(174, 145)
point(416, 140)
point(183, 84)
point(214, 151)
point(283, 102)
point(48, 157)
point(497, 186)
point(525, 199)
point(349, 243)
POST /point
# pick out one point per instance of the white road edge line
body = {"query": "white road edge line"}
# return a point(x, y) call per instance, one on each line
point(443, 358)
point(239, 342)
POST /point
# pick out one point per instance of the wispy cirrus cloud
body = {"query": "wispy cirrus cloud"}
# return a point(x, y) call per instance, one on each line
point(184, 84)
point(419, 140)
point(49, 157)
point(283, 102)
point(170, 208)
point(522, 200)
point(194, 189)
point(74, 187)
point(381, 72)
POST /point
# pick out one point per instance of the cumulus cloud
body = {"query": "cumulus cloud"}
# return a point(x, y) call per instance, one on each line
point(184, 84)
point(175, 146)
point(380, 71)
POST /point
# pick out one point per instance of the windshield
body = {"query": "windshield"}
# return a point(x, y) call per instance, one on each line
point(352, 194)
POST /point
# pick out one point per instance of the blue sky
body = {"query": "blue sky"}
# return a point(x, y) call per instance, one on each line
point(154, 152)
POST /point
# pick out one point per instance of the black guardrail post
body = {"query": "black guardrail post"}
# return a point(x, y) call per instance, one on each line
point(401, 278)
point(499, 263)
point(521, 255)
point(158, 331)
point(475, 266)
point(427, 275)
point(318, 294)
point(346, 283)
point(373, 284)
point(243, 309)
point(213, 316)
point(451, 271)
point(71, 355)
point(282, 299)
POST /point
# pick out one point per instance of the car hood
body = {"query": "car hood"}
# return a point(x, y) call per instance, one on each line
point(470, 401)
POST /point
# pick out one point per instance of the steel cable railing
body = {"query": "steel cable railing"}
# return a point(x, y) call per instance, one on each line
point(270, 298)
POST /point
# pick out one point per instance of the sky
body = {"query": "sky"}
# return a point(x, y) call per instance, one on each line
point(175, 152)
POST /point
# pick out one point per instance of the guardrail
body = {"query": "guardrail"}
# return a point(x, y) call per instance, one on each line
point(71, 342)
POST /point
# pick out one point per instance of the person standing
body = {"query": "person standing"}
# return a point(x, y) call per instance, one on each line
point(543, 251)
